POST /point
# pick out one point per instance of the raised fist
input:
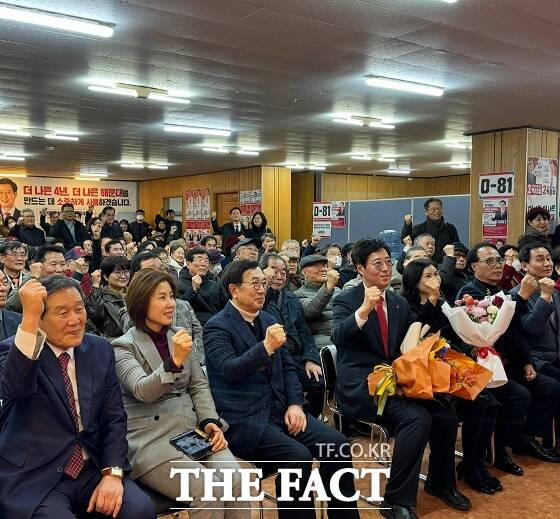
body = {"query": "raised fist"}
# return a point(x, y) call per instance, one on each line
point(332, 279)
point(36, 270)
point(214, 215)
point(449, 250)
point(407, 241)
point(182, 344)
point(371, 298)
point(275, 338)
point(96, 278)
point(315, 240)
point(547, 288)
point(528, 286)
point(407, 219)
point(196, 282)
point(33, 296)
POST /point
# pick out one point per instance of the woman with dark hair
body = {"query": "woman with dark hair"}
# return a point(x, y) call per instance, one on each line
point(258, 226)
point(124, 225)
point(538, 220)
point(176, 258)
point(513, 275)
point(421, 288)
point(105, 304)
point(165, 394)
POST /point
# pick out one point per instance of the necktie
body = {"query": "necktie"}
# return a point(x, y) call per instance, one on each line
point(236, 228)
point(382, 318)
point(76, 462)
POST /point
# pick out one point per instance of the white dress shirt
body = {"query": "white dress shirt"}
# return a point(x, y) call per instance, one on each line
point(361, 322)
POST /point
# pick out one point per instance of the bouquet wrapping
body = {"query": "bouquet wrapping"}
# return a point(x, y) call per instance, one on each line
point(382, 384)
point(468, 378)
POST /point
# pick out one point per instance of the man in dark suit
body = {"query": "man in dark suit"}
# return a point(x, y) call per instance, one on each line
point(8, 195)
point(71, 231)
point(235, 227)
point(256, 388)
point(502, 213)
point(139, 228)
point(369, 324)
point(27, 232)
point(111, 227)
point(63, 443)
point(524, 406)
point(173, 228)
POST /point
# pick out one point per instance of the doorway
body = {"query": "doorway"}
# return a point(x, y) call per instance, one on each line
point(225, 202)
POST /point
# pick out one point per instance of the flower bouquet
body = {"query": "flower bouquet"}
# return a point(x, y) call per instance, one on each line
point(481, 324)
point(468, 378)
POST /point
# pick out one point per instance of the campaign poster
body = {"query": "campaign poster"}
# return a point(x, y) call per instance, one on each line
point(338, 215)
point(494, 220)
point(542, 184)
point(322, 223)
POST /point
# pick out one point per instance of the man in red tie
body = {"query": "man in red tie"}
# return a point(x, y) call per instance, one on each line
point(369, 324)
point(63, 444)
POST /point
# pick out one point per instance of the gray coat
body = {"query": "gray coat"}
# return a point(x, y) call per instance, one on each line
point(317, 308)
point(159, 404)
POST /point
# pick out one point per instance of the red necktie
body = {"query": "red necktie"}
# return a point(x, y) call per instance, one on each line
point(76, 462)
point(382, 318)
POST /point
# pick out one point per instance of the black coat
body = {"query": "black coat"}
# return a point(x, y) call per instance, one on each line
point(452, 280)
point(33, 236)
point(60, 230)
point(139, 230)
point(445, 235)
point(112, 230)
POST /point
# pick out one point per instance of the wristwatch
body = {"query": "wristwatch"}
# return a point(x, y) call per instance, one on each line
point(113, 471)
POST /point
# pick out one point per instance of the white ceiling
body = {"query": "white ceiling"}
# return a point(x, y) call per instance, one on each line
point(274, 72)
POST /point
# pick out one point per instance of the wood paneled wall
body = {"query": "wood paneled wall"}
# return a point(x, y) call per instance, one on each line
point(277, 200)
point(340, 186)
point(508, 150)
point(303, 196)
point(151, 193)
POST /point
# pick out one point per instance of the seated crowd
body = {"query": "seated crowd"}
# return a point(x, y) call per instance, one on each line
point(117, 337)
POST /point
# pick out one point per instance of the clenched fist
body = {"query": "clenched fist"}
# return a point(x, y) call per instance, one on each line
point(315, 240)
point(407, 240)
point(547, 288)
point(275, 338)
point(371, 298)
point(196, 282)
point(33, 296)
point(528, 286)
point(36, 270)
point(407, 219)
point(332, 279)
point(96, 278)
point(449, 250)
point(182, 344)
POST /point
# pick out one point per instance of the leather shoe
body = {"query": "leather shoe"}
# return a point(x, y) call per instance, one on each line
point(537, 450)
point(450, 496)
point(392, 511)
point(504, 463)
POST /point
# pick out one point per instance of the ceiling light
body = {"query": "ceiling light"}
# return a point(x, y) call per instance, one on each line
point(215, 150)
point(158, 166)
point(360, 157)
point(386, 159)
point(55, 136)
point(317, 168)
point(458, 145)
point(88, 179)
point(168, 99)
point(131, 165)
point(101, 175)
point(405, 86)
point(350, 120)
point(247, 152)
point(114, 90)
point(14, 132)
point(54, 20)
point(12, 158)
point(449, 1)
point(460, 166)
point(399, 171)
point(380, 124)
point(196, 130)
point(15, 175)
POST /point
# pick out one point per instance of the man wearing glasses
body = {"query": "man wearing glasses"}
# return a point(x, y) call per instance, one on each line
point(434, 224)
point(369, 324)
point(71, 231)
point(522, 407)
point(12, 260)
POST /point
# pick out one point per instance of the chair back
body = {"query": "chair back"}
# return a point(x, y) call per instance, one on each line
point(328, 365)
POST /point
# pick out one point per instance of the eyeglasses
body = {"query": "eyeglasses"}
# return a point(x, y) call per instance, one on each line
point(492, 262)
point(121, 273)
point(16, 254)
point(379, 264)
point(256, 284)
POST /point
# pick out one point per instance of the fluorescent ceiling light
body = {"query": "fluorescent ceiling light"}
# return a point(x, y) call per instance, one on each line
point(15, 175)
point(12, 158)
point(55, 21)
point(460, 166)
point(55, 136)
point(87, 174)
point(88, 179)
point(131, 165)
point(247, 152)
point(168, 99)
point(318, 168)
point(215, 150)
point(196, 130)
point(360, 157)
point(129, 92)
point(449, 1)
point(386, 159)
point(405, 86)
point(158, 166)
point(457, 146)
point(13, 132)
point(350, 120)
point(399, 171)
point(379, 124)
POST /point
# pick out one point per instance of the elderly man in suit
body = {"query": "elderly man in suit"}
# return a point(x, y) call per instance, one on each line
point(256, 388)
point(63, 444)
point(71, 231)
point(369, 324)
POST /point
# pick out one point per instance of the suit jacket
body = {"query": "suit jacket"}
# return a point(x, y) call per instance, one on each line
point(38, 432)
point(10, 321)
point(360, 350)
point(226, 230)
point(243, 377)
point(159, 404)
point(539, 328)
point(16, 213)
point(113, 231)
point(60, 230)
point(444, 235)
point(33, 236)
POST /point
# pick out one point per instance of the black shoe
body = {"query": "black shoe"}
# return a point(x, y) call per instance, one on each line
point(537, 450)
point(393, 511)
point(492, 481)
point(504, 463)
point(474, 481)
point(451, 497)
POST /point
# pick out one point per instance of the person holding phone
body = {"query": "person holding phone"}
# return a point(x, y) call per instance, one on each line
point(166, 394)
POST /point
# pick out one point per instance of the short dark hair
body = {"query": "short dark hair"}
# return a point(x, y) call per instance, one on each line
point(430, 200)
point(42, 251)
point(263, 218)
point(504, 248)
point(112, 263)
point(233, 273)
point(346, 248)
point(139, 292)
point(233, 209)
point(136, 263)
point(265, 258)
point(169, 211)
point(411, 277)
point(206, 238)
point(502, 202)
point(141, 211)
point(145, 244)
point(525, 252)
point(11, 183)
point(58, 282)
point(107, 208)
point(189, 256)
point(66, 205)
point(365, 247)
point(58, 240)
point(11, 245)
point(173, 247)
point(323, 251)
point(109, 244)
point(537, 211)
point(268, 235)
point(472, 255)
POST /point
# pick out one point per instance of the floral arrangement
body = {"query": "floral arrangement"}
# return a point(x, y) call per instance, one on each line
point(481, 311)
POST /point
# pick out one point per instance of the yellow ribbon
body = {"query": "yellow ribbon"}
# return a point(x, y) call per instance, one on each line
point(386, 387)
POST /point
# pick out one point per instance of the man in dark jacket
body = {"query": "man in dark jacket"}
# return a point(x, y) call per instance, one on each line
point(71, 231)
point(27, 232)
point(435, 225)
point(139, 228)
point(205, 295)
point(453, 270)
point(110, 228)
point(287, 309)
point(524, 406)
point(235, 227)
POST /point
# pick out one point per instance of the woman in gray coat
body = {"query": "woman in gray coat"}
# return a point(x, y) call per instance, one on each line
point(165, 393)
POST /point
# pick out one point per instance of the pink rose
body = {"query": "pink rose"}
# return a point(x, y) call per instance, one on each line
point(485, 303)
point(478, 312)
